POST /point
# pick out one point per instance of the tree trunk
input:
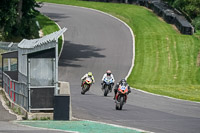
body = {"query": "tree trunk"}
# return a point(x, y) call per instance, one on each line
point(19, 10)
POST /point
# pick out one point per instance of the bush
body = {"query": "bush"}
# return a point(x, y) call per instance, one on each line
point(196, 23)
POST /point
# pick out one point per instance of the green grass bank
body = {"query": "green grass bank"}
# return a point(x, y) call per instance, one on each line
point(48, 26)
point(166, 61)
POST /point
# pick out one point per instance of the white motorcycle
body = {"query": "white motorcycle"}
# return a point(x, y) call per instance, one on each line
point(107, 85)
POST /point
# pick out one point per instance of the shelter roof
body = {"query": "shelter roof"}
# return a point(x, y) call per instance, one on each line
point(29, 44)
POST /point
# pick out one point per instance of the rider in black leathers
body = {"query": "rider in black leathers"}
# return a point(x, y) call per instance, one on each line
point(121, 82)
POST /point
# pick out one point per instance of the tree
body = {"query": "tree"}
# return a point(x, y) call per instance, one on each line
point(17, 18)
point(191, 7)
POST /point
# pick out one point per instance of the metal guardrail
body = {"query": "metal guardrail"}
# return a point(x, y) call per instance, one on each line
point(18, 92)
point(8, 46)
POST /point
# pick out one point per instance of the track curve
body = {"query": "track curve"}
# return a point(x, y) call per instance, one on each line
point(97, 42)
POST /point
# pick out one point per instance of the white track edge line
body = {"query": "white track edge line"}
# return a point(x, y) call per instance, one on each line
point(133, 40)
point(168, 97)
point(133, 59)
point(49, 129)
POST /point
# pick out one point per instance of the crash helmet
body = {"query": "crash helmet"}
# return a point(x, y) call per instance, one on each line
point(90, 74)
point(123, 81)
point(108, 72)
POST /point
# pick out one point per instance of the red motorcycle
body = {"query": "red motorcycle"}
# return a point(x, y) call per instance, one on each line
point(86, 85)
point(121, 96)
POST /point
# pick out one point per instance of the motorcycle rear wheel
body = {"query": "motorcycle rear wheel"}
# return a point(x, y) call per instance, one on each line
point(116, 107)
point(82, 92)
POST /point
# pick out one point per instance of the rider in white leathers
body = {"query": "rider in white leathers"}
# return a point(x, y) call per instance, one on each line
point(107, 74)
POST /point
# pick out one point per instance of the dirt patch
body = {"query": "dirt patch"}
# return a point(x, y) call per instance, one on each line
point(169, 56)
point(175, 28)
point(161, 19)
point(157, 61)
point(197, 36)
point(198, 59)
point(148, 9)
point(177, 65)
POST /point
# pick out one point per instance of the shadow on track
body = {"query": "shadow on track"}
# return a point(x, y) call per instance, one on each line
point(57, 17)
point(74, 52)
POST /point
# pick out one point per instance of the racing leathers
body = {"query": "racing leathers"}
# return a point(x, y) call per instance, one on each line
point(112, 77)
point(121, 83)
point(85, 76)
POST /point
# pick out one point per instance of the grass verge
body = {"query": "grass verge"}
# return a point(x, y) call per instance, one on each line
point(166, 61)
point(16, 110)
point(48, 26)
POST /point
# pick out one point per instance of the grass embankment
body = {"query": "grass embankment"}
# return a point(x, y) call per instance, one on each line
point(166, 61)
point(48, 26)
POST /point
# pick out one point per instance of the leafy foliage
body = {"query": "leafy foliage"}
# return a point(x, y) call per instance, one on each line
point(18, 20)
point(196, 23)
point(191, 7)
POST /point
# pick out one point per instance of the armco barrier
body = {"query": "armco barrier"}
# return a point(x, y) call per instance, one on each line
point(17, 92)
point(169, 14)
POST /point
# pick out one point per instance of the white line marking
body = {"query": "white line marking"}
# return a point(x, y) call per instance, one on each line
point(41, 128)
point(149, 93)
point(132, 59)
point(139, 130)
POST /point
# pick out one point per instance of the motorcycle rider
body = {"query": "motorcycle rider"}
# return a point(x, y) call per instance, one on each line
point(89, 74)
point(108, 74)
point(121, 82)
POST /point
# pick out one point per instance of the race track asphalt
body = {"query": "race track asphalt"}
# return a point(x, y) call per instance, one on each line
point(97, 42)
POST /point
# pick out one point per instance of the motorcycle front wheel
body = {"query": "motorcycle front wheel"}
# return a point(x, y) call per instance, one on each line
point(85, 88)
point(106, 90)
point(118, 103)
point(121, 102)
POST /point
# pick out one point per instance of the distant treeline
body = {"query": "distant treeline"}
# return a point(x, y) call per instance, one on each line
point(191, 9)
